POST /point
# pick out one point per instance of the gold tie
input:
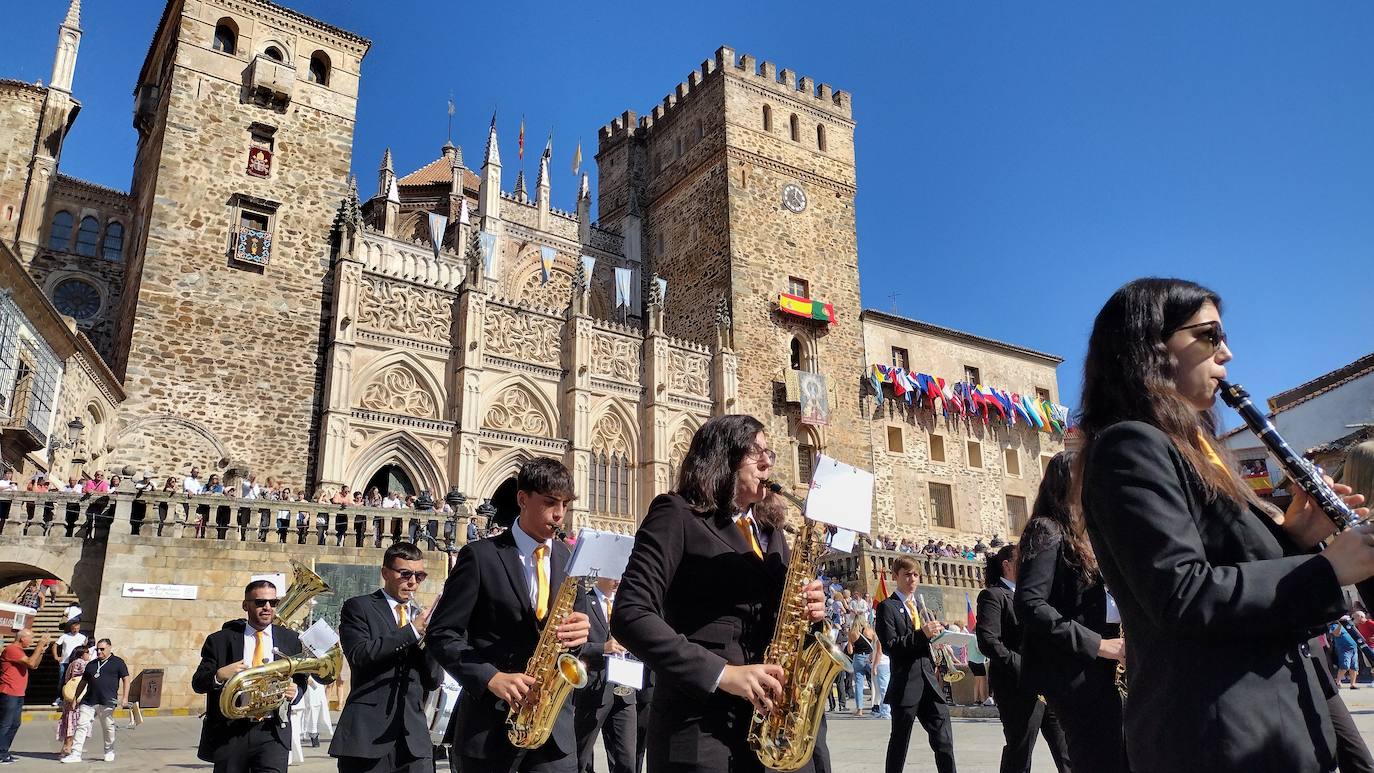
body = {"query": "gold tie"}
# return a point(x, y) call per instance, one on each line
point(609, 603)
point(401, 614)
point(746, 525)
point(541, 576)
point(260, 649)
point(915, 617)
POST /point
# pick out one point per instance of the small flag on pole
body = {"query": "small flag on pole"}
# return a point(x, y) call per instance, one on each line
point(463, 214)
point(520, 141)
point(488, 251)
point(546, 256)
point(577, 159)
point(622, 287)
point(968, 606)
point(588, 263)
point(437, 224)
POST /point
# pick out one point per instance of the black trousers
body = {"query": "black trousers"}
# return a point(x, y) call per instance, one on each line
point(1352, 755)
point(1024, 716)
point(256, 751)
point(1090, 712)
point(397, 759)
point(934, 716)
point(545, 759)
point(603, 713)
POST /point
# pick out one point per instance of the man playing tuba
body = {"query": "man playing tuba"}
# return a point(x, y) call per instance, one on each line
point(242, 745)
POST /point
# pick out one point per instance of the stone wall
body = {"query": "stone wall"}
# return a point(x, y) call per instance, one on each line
point(21, 110)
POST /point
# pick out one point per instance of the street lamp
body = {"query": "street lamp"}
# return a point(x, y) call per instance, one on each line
point(74, 429)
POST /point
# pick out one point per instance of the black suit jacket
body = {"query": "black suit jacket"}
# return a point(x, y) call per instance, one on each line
point(1217, 603)
point(485, 625)
point(221, 648)
point(694, 598)
point(999, 638)
point(912, 667)
point(391, 673)
point(594, 651)
point(1064, 616)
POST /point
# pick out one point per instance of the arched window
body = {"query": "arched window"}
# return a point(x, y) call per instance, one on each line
point(274, 53)
point(60, 238)
point(226, 37)
point(610, 484)
point(796, 128)
point(820, 136)
point(767, 118)
point(87, 236)
point(319, 68)
point(796, 354)
point(114, 241)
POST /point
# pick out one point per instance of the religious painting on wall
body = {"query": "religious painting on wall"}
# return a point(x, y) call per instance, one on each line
point(253, 246)
point(815, 400)
point(259, 162)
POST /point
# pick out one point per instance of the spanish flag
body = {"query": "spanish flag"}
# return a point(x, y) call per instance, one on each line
point(882, 588)
point(805, 307)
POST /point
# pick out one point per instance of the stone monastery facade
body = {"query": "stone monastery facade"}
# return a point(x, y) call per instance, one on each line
point(263, 318)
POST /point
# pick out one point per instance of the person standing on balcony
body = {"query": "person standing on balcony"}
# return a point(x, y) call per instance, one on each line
point(14, 681)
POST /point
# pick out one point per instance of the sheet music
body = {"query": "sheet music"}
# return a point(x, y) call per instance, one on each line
point(841, 495)
point(626, 671)
point(318, 638)
point(603, 553)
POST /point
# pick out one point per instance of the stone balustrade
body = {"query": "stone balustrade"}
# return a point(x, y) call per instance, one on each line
point(861, 570)
point(213, 517)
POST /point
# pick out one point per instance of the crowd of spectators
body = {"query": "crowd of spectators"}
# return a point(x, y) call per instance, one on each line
point(937, 548)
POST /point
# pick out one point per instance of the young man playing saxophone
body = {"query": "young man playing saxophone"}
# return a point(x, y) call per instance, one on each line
point(488, 624)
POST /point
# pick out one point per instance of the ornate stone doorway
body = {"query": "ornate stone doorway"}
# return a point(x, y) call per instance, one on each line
point(391, 477)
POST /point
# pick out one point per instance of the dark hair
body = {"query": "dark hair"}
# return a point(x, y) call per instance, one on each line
point(545, 476)
point(1052, 520)
point(992, 575)
point(1127, 377)
point(707, 476)
point(75, 621)
point(99, 642)
point(78, 653)
point(256, 585)
point(406, 551)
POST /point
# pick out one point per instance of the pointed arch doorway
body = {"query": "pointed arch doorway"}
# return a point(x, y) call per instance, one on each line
point(391, 477)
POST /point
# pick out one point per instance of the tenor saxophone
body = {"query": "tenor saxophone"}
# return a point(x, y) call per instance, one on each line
point(785, 738)
point(556, 674)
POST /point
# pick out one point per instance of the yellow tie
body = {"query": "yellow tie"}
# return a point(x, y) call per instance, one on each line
point(1210, 452)
point(401, 614)
point(915, 617)
point(746, 525)
point(541, 576)
point(609, 603)
point(260, 649)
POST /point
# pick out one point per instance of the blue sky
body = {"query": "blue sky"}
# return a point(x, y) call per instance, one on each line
point(1016, 161)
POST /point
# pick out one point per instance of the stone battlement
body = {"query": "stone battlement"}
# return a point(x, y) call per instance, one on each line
point(784, 82)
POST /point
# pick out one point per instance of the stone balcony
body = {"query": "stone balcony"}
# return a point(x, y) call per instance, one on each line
point(863, 569)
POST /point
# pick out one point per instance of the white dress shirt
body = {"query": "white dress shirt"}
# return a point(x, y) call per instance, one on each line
point(526, 545)
point(1009, 584)
point(192, 486)
point(606, 601)
point(250, 643)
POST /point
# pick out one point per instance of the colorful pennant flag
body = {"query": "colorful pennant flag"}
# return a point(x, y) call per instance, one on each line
point(805, 307)
point(875, 377)
point(546, 256)
point(968, 607)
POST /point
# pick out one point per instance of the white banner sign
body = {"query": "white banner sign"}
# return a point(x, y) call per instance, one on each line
point(148, 590)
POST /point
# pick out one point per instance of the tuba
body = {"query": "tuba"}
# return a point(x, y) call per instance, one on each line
point(556, 674)
point(785, 738)
point(260, 691)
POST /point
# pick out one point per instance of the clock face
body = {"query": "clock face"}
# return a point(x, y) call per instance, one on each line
point(793, 197)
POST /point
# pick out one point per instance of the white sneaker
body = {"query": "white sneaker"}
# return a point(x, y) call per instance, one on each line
point(70, 758)
point(109, 756)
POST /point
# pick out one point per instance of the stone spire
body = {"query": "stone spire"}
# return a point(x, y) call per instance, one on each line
point(489, 190)
point(391, 196)
point(541, 185)
point(68, 42)
point(385, 174)
point(453, 153)
point(520, 187)
point(493, 156)
point(584, 211)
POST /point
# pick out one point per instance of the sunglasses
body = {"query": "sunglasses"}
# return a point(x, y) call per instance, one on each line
point(260, 603)
point(407, 575)
point(102, 649)
point(1213, 334)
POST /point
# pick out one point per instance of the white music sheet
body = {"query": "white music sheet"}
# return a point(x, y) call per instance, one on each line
point(603, 553)
point(841, 495)
point(622, 670)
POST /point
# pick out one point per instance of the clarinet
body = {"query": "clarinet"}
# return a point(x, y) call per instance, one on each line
point(1302, 471)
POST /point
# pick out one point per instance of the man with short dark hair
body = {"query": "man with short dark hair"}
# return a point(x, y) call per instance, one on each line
point(106, 683)
point(383, 727)
point(914, 691)
point(244, 745)
point(497, 599)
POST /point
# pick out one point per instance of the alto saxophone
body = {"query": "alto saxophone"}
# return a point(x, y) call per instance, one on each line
point(556, 674)
point(785, 738)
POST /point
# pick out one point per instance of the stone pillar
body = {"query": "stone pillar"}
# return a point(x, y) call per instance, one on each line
point(656, 410)
point(575, 402)
point(467, 358)
point(338, 380)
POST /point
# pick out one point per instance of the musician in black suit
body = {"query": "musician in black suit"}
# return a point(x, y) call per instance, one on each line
point(1070, 648)
point(246, 745)
point(382, 727)
point(1022, 712)
point(599, 711)
point(699, 600)
point(1218, 591)
point(488, 623)
point(913, 691)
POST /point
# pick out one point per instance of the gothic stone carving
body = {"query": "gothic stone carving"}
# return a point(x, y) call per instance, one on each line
point(553, 295)
point(615, 357)
point(398, 390)
point(609, 435)
point(390, 307)
point(688, 373)
point(516, 411)
point(522, 336)
point(677, 447)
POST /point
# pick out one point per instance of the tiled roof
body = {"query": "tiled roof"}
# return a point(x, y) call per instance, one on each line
point(1322, 384)
point(927, 327)
point(436, 172)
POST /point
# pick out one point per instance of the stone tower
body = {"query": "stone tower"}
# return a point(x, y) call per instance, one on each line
point(741, 186)
point(245, 117)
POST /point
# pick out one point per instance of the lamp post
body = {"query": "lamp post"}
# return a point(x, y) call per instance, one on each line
point(74, 429)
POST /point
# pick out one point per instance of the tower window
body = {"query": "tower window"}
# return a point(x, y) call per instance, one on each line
point(87, 236)
point(114, 242)
point(767, 118)
point(700, 132)
point(971, 375)
point(1013, 462)
point(900, 358)
point(319, 68)
point(1042, 393)
point(76, 298)
point(274, 53)
point(820, 137)
point(60, 238)
point(226, 37)
point(798, 287)
point(894, 440)
point(941, 505)
point(975, 454)
point(796, 354)
point(796, 128)
point(1016, 514)
point(806, 460)
point(937, 448)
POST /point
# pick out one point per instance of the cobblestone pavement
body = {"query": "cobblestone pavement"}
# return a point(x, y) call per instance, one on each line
point(856, 745)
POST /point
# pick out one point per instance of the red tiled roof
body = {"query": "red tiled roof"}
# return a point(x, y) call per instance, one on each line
point(437, 172)
point(1321, 384)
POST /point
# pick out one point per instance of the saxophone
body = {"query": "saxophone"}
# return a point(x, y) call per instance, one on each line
point(785, 738)
point(556, 674)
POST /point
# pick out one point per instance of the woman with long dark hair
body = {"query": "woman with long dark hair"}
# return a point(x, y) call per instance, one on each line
point(699, 600)
point(1019, 707)
point(1072, 641)
point(1218, 591)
